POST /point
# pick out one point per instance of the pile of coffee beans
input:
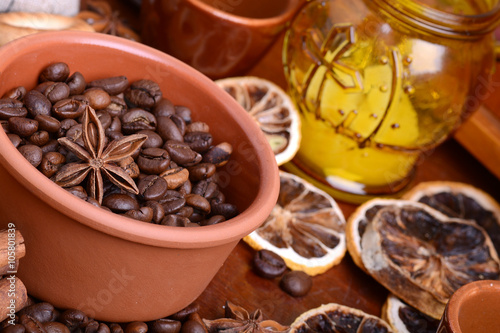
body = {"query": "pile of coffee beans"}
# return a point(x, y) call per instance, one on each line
point(175, 170)
point(269, 265)
point(42, 317)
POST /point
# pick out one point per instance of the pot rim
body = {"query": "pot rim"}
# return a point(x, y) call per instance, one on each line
point(127, 228)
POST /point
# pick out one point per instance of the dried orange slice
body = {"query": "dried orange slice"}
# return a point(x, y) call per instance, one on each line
point(406, 319)
point(461, 200)
point(336, 318)
point(306, 227)
point(272, 109)
point(423, 256)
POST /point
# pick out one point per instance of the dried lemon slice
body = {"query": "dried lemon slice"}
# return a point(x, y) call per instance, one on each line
point(336, 318)
point(406, 319)
point(306, 227)
point(423, 256)
point(461, 200)
point(272, 109)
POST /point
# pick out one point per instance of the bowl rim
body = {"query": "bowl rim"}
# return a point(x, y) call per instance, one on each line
point(127, 228)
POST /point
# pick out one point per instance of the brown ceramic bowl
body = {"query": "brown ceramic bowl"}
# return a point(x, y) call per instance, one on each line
point(112, 267)
point(473, 308)
point(220, 38)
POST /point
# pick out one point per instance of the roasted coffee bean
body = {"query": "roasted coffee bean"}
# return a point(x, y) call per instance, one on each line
point(197, 216)
point(50, 146)
point(77, 191)
point(76, 83)
point(120, 203)
point(105, 118)
point(206, 189)
point(92, 201)
point(167, 129)
point(15, 93)
point(181, 154)
point(136, 120)
point(192, 326)
point(31, 325)
point(23, 127)
point(144, 214)
point(218, 155)
point(58, 71)
point(143, 94)
point(185, 211)
point(153, 160)
point(117, 107)
point(198, 202)
point(43, 86)
point(158, 211)
point(184, 112)
point(296, 283)
point(136, 327)
point(172, 202)
point(10, 107)
point(91, 327)
point(103, 328)
point(185, 187)
point(165, 326)
point(128, 164)
point(55, 327)
point(43, 312)
point(115, 129)
point(184, 314)
point(57, 92)
point(68, 108)
point(73, 319)
point(39, 138)
point(47, 123)
point(164, 108)
point(174, 220)
point(115, 328)
point(52, 163)
point(75, 134)
point(225, 209)
point(175, 177)
point(201, 171)
point(200, 142)
point(268, 264)
point(213, 220)
point(66, 124)
point(112, 85)
point(15, 139)
point(98, 98)
point(16, 328)
point(152, 187)
point(180, 123)
point(198, 126)
point(154, 139)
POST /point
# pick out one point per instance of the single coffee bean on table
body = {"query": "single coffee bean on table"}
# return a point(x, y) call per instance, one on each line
point(119, 145)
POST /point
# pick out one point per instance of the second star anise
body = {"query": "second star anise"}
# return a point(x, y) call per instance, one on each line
point(98, 159)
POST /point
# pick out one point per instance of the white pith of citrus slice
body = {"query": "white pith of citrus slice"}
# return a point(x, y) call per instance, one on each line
point(306, 227)
point(272, 109)
point(406, 319)
point(336, 318)
point(423, 256)
point(461, 200)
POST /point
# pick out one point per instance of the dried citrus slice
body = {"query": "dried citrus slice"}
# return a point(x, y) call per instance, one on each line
point(406, 319)
point(461, 200)
point(271, 107)
point(336, 318)
point(423, 256)
point(306, 227)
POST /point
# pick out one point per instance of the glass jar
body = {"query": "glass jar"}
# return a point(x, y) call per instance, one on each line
point(380, 83)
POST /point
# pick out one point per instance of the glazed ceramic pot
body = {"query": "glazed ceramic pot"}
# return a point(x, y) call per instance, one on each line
point(220, 38)
point(112, 267)
point(474, 308)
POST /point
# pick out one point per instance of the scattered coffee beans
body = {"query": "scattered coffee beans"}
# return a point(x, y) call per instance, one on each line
point(170, 179)
point(268, 264)
point(296, 283)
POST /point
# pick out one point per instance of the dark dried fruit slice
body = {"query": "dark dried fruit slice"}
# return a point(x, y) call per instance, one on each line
point(336, 318)
point(423, 256)
point(406, 319)
point(306, 228)
point(462, 201)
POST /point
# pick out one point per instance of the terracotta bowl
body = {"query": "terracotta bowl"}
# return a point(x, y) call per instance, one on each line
point(474, 308)
point(112, 267)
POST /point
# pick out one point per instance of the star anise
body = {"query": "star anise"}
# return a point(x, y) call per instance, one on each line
point(238, 320)
point(98, 159)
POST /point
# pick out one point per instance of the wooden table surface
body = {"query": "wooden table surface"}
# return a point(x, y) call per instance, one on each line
point(345, 283)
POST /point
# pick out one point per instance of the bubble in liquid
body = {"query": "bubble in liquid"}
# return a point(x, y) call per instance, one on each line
point(383, 60)
point(409, 89)
point(341, 112)
point(383, 88)
point(374, 115)
point(395, 125)
point(408, 60)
